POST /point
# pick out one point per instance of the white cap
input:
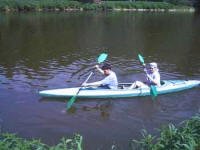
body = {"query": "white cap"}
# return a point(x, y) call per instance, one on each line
point(153, 65)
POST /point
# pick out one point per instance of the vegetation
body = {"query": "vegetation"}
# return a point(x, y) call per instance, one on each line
point(185, 137)
point(61, 5)
point(140, 5)
point(11, 142)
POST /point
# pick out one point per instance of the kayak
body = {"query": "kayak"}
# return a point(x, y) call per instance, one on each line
point(167, 86)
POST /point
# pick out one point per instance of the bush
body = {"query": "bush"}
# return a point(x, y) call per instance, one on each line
point(184, 137)
point(180, 2)
point(11, 142)
point(92, 6)
point(108, 5)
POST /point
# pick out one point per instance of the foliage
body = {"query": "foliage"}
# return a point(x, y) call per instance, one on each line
point(136, 5)
point(180, 2)
point(11, 142)
point(90, 6)
point(27, 5)
point(38, 4)
point(186, 137)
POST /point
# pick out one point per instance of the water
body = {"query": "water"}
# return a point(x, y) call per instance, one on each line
point(55, 50)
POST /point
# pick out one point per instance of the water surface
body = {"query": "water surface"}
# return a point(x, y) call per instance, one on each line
point(55, 50)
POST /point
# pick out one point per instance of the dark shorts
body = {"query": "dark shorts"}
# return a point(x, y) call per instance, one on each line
point(104, 87)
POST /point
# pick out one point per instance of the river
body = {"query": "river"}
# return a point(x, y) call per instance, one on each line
point(54, 50)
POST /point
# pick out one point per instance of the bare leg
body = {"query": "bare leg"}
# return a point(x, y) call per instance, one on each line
point(138, 84)
point(133, 85)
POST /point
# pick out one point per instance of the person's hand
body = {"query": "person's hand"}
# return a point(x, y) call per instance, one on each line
point(97, 66)
point(144, 65)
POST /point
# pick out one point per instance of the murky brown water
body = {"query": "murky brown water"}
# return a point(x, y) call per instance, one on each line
point(55, 50)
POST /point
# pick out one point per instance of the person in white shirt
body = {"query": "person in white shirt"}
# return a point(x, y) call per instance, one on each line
point(152, 77)
point(110, 81)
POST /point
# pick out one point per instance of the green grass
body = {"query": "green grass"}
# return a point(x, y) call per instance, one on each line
point(34, 5)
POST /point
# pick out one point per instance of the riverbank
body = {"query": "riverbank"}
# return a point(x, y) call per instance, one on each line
point(65, 5)
point(186, 136)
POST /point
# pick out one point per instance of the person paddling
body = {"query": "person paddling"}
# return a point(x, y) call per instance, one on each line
point(109, 82)
point(152, 77)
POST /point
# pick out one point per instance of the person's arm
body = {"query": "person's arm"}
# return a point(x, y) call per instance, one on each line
point(99, 69)
point(105, 81)
point(145, 69)
point(98, 83)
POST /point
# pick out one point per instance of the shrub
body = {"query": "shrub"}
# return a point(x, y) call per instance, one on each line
point(184, 137)
point(11, 142)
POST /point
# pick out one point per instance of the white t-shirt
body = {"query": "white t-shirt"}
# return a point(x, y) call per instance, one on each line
point(110, 80)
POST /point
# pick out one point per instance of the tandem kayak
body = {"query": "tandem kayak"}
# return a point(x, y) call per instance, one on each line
point(167, 86)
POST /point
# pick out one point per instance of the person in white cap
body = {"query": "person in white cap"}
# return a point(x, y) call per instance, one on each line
point(152, 77)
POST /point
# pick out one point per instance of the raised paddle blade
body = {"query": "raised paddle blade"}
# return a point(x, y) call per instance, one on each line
point(141, 58)
point(102, 58)
point(153, 91)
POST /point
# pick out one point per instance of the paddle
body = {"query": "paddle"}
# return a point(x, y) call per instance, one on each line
point(153, 90)
point(102, 57)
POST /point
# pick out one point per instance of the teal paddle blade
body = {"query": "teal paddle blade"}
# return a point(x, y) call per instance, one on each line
point(102, 57)
point(141, 58)
point(153, 91)
point(71, 101)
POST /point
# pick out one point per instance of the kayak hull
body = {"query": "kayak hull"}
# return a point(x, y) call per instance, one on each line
point(168, 86)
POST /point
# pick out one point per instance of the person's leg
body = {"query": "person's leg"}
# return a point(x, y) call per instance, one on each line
point(133, 86)
point(138, 84)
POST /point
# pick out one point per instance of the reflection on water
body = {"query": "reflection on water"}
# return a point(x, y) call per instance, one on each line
point(55, 50)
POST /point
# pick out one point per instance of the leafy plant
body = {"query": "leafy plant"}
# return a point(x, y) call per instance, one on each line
point(186, 137)
point(11, 142)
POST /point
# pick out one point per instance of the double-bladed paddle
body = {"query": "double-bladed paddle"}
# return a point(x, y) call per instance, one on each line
point(153, 90)
point(102, 57)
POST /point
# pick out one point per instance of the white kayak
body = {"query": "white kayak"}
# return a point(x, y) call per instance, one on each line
point(167, 86)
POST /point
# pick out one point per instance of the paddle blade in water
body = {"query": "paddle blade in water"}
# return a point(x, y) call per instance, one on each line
point(153, 91)
point(102, 57)
point(69, 104)
point(141, 58)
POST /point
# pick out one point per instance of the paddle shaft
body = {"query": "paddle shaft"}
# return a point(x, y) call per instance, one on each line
point(91, 73)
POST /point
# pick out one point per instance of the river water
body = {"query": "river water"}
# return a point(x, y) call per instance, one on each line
point(54, 50)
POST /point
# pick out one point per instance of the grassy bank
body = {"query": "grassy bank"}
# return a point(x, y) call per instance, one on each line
point(185, 137)
point(66, 5)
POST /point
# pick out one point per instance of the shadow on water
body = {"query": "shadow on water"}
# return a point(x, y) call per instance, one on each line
point(102, 106)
